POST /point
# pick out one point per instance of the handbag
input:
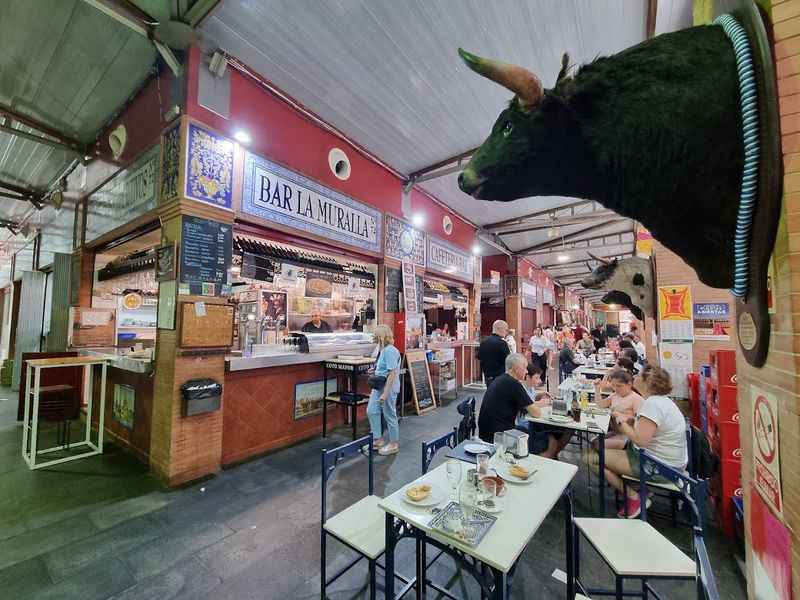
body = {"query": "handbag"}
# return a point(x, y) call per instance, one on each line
point(376, 382)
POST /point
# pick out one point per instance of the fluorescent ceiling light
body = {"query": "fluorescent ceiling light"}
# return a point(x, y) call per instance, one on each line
point(242, 137)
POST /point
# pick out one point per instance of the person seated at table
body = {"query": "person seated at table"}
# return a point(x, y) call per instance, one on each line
point(604, 384)
point(566, 358)
point(659, 427)
point(507, 397)
point(624, 401)
point(544, 440)
point(585, 344)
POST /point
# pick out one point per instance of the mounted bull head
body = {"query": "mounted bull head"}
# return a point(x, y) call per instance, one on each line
point(652, 133)
point(629, 281)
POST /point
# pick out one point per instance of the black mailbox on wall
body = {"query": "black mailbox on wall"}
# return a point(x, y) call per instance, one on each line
point(200, 396)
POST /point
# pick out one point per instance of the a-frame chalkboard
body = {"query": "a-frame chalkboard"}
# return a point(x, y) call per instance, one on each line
point(421, 384)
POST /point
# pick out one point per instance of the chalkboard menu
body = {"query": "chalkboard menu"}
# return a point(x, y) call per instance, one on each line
point(421, 384)
point(394, 285)
point(205, 255)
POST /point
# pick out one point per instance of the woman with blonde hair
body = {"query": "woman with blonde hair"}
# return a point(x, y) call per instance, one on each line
point(383, 397)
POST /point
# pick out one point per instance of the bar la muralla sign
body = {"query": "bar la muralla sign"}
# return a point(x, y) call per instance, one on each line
point(277, 194)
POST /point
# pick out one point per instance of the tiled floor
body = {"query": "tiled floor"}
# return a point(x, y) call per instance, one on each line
point(102, 528)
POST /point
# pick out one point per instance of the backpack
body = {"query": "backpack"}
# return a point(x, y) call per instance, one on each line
point(705, 463)
point(467, 426)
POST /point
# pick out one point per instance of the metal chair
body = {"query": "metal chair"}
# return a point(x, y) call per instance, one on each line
point(429, 449)
point(611, 538)
point(360, 526)
point(664, 489)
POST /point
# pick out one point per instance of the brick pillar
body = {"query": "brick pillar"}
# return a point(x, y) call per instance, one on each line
point(780, 373)
point(184, 448)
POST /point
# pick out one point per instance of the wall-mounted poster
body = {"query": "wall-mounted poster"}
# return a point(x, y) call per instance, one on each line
point(403, 242)
point(319, 284)
point(712, 320)
point(273, 309)
point(675, 313)
point(415, 331)
point(766, 447)
point(308, 397)
point(166, 262)
point(209, 167)
point(123, 408)
point(279, 195)
point(676, 359)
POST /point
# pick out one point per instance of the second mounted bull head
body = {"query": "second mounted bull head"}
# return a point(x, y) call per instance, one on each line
point(629, 282)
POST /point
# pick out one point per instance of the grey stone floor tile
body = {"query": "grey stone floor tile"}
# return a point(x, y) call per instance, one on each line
point(96, 582)
point(117, 512)
point(189, 579)
point(115, 541)
point(177, 544)
point(24, 578)
point(39, 541)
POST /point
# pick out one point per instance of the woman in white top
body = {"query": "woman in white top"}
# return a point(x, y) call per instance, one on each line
point(659, 427)
point(540, 346)
point(511, 341)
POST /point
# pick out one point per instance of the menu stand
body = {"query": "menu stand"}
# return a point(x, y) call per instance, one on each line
point(350, 398)
point(30, 428)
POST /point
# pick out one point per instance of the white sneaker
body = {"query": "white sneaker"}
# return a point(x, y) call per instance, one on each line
point(389, 449)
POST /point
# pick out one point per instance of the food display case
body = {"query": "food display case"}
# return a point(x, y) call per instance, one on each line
point(350, 343)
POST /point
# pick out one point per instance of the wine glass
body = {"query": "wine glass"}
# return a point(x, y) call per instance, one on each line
point(489, 492)
point(499, 445)
point(482, 461)
point(469, 498)
point(453, 475)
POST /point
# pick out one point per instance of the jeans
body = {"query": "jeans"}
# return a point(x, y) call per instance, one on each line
point(389, 410)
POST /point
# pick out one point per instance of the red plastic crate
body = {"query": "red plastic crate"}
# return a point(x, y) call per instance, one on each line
point(726, 440)
point(731, 478)
point(723, 366)
point(725, 399)
point(693, 380)
point(711, 418)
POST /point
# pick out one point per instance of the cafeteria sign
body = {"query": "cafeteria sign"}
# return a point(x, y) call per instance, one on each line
point(277, 194)
point(712, 320)
point(448, 259)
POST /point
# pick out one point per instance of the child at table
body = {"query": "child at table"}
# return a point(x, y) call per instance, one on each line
point(624, 401)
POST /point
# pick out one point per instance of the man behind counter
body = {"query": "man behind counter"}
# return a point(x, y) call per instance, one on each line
point(316, 324)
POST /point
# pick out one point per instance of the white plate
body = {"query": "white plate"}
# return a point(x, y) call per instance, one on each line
point(477, 448)
point(502, 470)
point(435, 497)
point(559, 418)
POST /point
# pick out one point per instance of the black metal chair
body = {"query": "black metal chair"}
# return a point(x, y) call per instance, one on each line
point(429, 449)
point(360, 527)
point(652, 555)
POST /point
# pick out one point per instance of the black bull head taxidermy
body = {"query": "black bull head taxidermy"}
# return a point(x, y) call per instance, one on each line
point(653, 133)
point(629, 282)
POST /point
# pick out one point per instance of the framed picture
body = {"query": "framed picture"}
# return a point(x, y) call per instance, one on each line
point(166, 261)
point(124, 405)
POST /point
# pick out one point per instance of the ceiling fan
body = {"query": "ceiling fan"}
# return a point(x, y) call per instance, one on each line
point(166, 34)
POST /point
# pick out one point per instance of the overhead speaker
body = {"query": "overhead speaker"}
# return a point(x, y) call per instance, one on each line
point(218, 64)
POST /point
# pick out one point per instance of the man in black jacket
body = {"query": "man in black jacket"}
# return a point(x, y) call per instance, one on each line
point(493, 351)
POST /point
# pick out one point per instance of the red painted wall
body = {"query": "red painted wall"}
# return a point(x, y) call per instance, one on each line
point(284, 135)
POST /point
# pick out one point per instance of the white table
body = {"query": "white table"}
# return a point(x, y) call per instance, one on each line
point(525, 508)
point(30, 427)
point(598, 424)
point(592, 372)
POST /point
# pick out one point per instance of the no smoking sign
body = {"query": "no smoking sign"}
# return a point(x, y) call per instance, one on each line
point(765, 447)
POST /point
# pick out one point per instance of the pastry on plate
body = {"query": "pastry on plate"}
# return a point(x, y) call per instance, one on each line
point(519, 471)
point(418, 492)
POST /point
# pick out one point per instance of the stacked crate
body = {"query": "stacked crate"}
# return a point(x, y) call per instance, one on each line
point(704, 385)
point(723, 433)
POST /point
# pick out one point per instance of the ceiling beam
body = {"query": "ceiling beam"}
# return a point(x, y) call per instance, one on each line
point(559, 222)
point(26, 193)
point(575, 236)
point(441, 168)
point(574, 245)
point(63, 139)
point(582, 260)
point(539, 213)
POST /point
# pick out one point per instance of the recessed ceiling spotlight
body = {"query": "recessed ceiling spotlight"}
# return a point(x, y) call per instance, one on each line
point(242, 137)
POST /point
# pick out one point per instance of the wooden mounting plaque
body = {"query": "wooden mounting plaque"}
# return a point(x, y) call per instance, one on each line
point(212, 330)
point(421, 383)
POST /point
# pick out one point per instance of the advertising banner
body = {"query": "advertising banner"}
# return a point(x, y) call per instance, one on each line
point(712, 320)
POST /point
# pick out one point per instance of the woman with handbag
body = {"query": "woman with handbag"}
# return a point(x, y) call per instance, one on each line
point(385, 384)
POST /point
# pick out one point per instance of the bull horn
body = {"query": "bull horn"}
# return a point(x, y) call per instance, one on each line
point(519, 80)
point(600, 259)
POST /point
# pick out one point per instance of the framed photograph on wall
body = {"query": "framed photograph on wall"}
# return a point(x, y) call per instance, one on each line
point(166, 262)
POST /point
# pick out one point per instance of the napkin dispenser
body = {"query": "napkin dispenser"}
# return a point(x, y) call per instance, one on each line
point(517, 442)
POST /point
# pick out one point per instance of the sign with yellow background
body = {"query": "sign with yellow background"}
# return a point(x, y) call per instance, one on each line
point(675, 313)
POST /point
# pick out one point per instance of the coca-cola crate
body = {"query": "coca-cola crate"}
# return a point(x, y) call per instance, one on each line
point(731, 478)
point(723, 367)
point(725, 440)
point(711, 419)
point(724, 399)
point(693, 381)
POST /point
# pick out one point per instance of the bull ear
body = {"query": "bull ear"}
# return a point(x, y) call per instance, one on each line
point(519, 80)
point(638, 279)
point(564, 68)
point(601, 260)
